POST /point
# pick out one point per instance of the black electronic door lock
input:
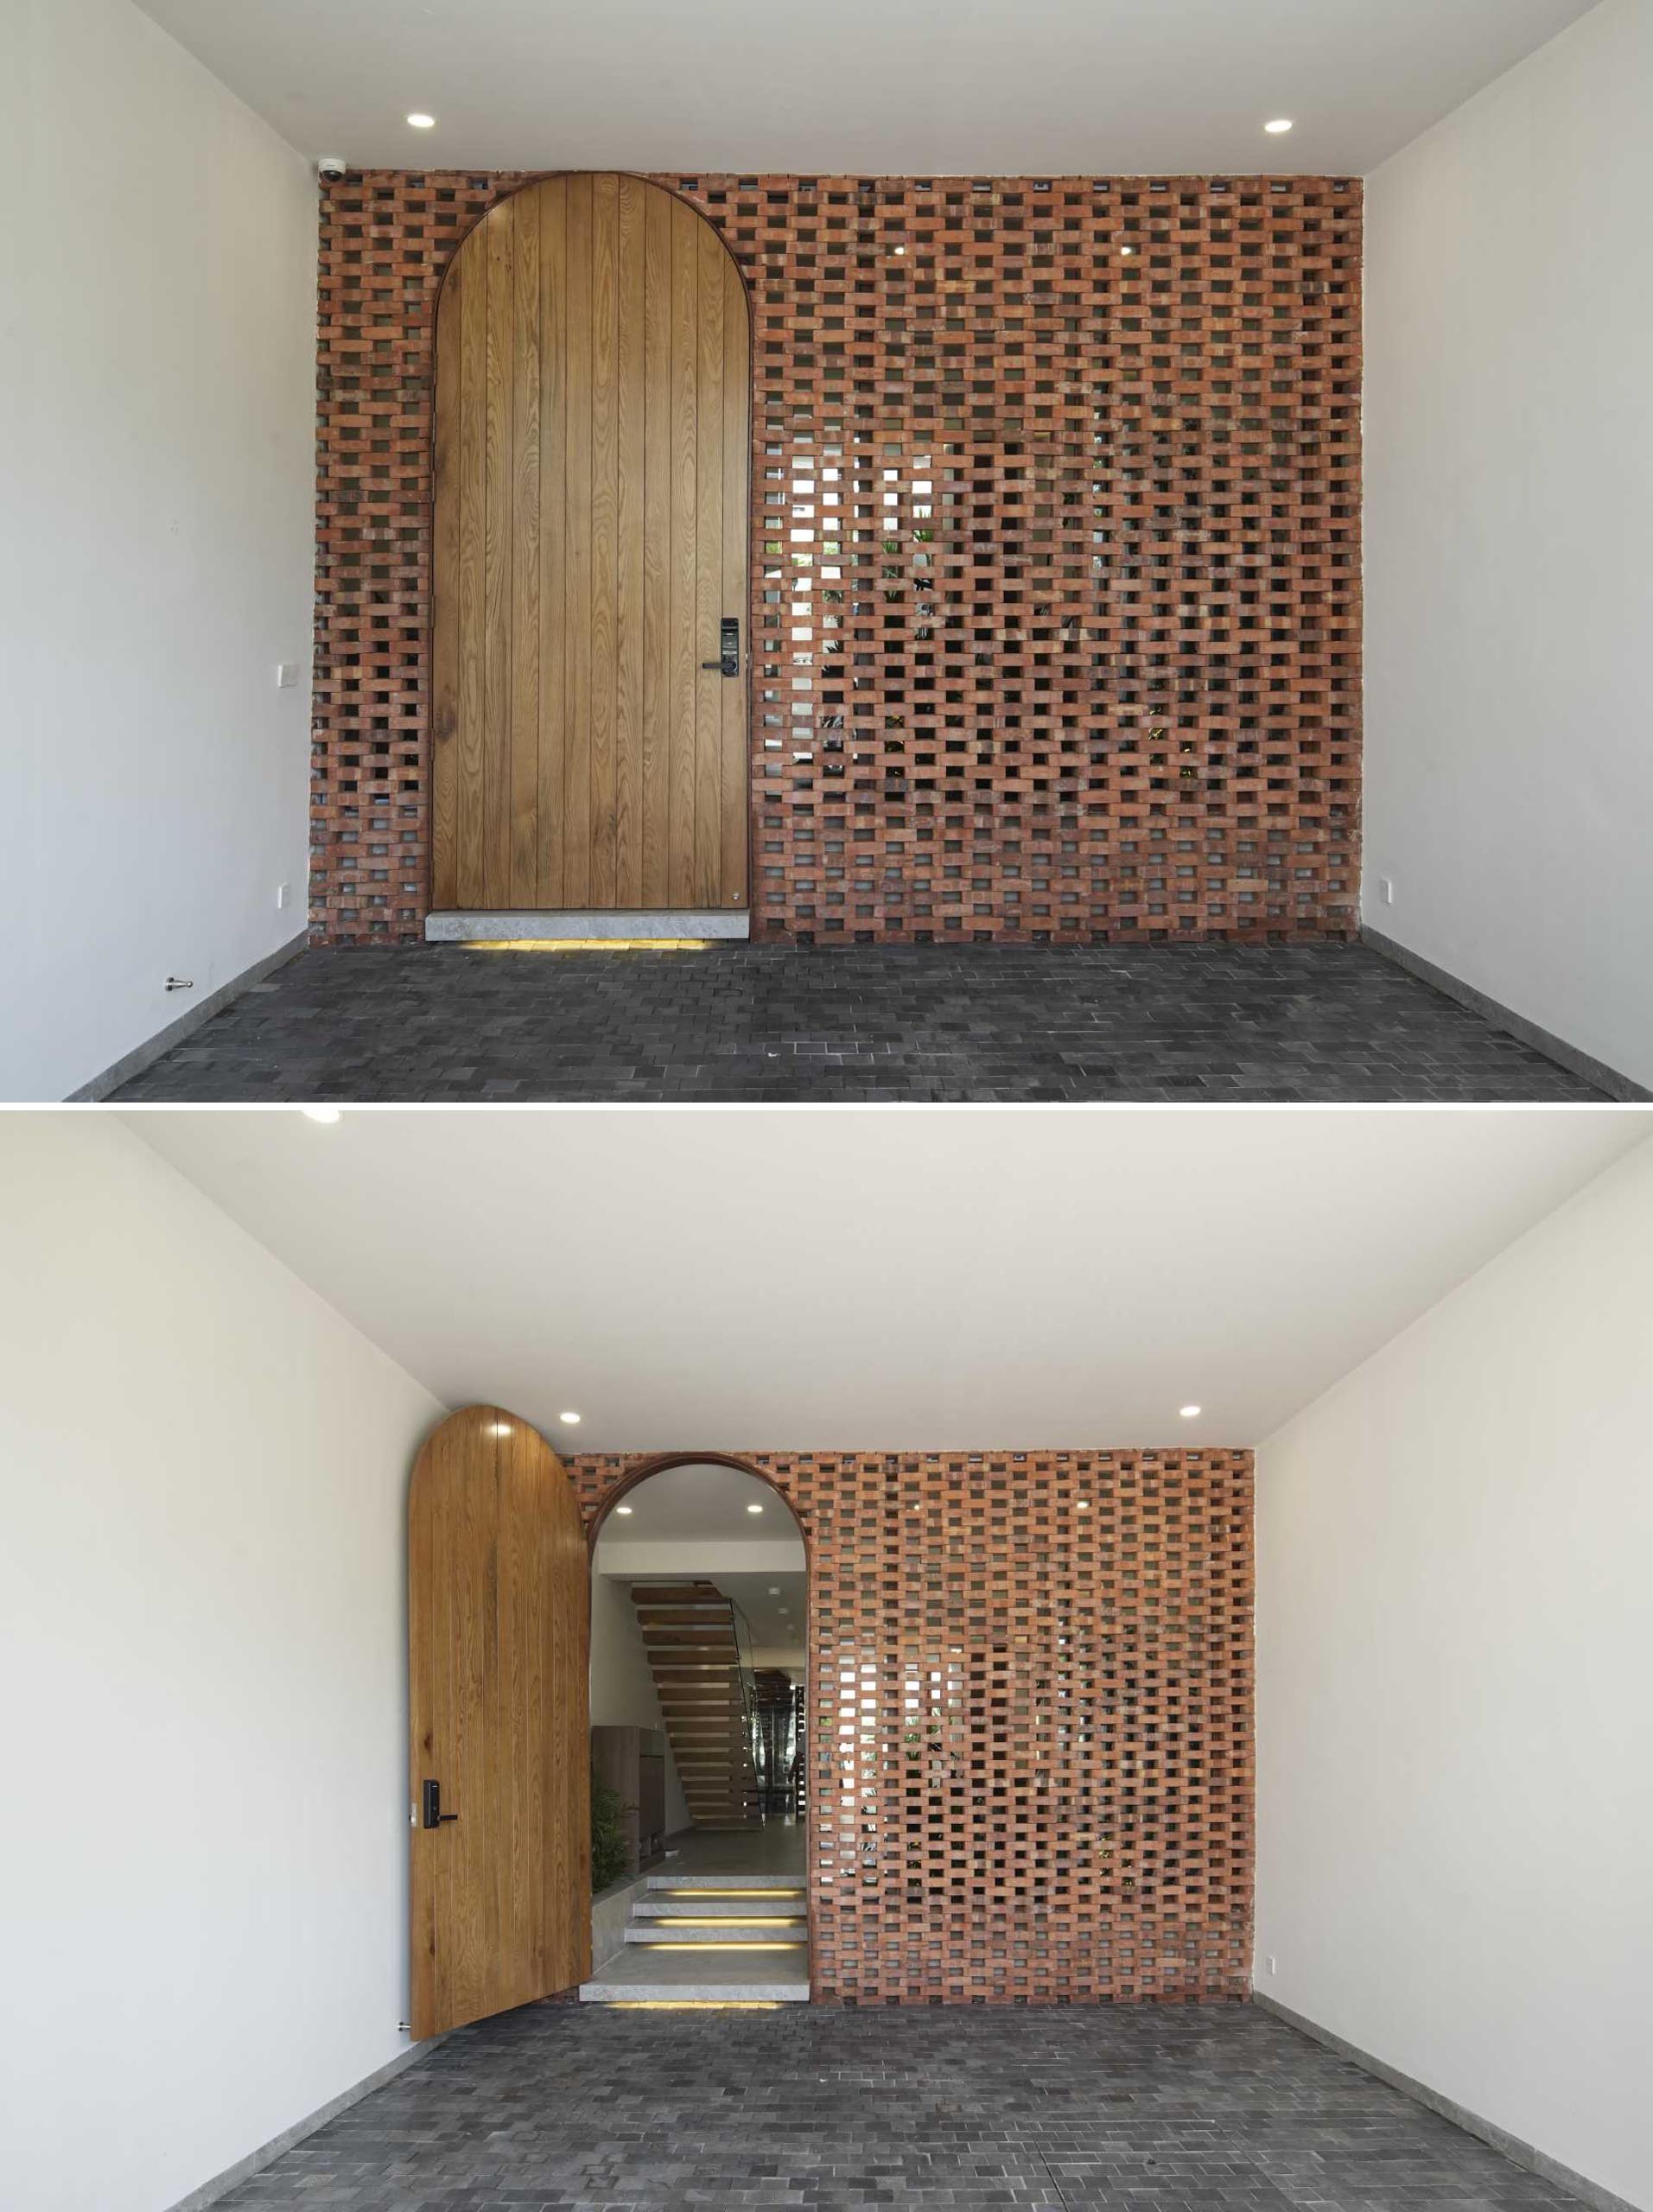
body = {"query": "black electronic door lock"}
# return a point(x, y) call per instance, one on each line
point(728, 662)
point(432, 1815)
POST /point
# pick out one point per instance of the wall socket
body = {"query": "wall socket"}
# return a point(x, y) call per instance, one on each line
point(286, 675)
point(284, 895)
point(1268, 1964)
point(1386, 889)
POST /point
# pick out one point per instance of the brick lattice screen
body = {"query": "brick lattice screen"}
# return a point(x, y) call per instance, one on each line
point(1030, 1684)
point(1056, 553)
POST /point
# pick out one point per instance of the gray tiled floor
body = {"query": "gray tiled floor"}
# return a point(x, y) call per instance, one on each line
point(1137, 2109)
point(1202, 1023)
point(777, 1847)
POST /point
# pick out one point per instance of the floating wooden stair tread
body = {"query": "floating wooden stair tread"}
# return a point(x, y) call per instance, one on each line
point(694, 1654)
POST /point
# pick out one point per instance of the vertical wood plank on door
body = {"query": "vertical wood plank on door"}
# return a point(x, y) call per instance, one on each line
point(471, 1935)
point(656, 549)
point(570, 1915)
point(709, 568)
point(735, 771)
point(686, 655)
point(525, 595)
point(496, 679)
point(472, 401)
point(577, 566)
point(524, 1633)
point(605, 506)
point(444, 657)
point(428, 1727)
point(630, 435)
point(552, 198)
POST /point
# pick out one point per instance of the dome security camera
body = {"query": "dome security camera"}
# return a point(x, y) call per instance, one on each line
point(333, 167)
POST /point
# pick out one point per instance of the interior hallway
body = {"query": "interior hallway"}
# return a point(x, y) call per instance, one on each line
point(1149, 2109)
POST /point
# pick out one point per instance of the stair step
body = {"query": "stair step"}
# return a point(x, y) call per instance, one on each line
point(720, 1936)
point(647, 1975)
point(694, 1884)
point(653, 1616)
point(785, 1906)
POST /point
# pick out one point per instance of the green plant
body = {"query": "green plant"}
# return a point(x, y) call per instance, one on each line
point(611, 1855)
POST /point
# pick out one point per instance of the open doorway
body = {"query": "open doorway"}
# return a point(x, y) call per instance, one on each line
point(698, 1682)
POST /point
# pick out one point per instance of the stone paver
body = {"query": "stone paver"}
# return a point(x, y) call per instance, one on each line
point(1172, 2108)
point(1206, 1024)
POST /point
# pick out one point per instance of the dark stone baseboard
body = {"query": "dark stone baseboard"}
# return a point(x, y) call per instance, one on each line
point(1502, 1017)
point(154, 1048)
point(1520, 2154)
point(267, 2153)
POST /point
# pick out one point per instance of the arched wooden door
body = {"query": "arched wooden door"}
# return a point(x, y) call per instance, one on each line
point(592, 466)
point(498, 1602)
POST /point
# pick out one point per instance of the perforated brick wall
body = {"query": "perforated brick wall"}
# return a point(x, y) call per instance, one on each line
point(1030, 1682)
point(1056, 553)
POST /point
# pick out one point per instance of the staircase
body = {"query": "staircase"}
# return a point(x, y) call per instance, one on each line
point(710, 1939)
point(688, 1631)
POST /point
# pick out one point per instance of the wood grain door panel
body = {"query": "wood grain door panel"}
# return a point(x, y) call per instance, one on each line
point(498, 1599)
point(592, 494)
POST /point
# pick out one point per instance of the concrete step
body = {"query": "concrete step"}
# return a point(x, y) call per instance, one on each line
point(793, 1935)
point(703, 1884)
point(645, 1975)
point(786, 1907)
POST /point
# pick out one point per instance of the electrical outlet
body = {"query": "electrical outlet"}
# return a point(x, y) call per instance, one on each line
point(284, 895)
point(286, 675)
point(1386, 889)
point(1269, 1962)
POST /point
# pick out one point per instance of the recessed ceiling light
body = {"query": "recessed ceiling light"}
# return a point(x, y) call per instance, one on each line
point(625, 1511)
point(1188, 1412)
point(326, 1115)
point(754, 1509)
point(429, 122)
point(1280, 123)
point(774, 1589)
point(573, 1420)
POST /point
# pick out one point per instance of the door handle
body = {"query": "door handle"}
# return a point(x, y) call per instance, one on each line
point(728, 660)
point(431, 1806)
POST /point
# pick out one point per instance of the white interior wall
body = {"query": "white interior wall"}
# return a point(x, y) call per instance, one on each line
point(623, 1695)
point(1455, 1645)
point(157, 375)
point(1509, 537)
point(202, 1631)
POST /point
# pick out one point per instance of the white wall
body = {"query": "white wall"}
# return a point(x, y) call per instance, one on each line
point(623, 1695)
point(1508, 530)
point(1455, 1652)
point(202, 1638)
point(157, 349)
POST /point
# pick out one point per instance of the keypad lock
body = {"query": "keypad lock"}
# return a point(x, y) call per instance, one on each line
point(430, 1811)
point(728, 660)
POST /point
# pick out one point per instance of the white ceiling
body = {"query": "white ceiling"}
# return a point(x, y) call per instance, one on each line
point(979, 87)
point(702, 1505)
point(710, 1280)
